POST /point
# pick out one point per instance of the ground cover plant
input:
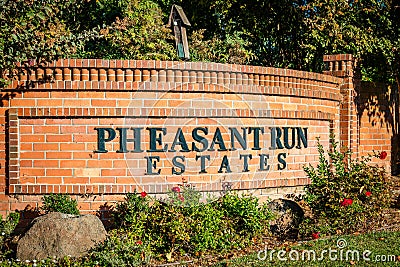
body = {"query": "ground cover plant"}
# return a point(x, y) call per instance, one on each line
point(60, 203)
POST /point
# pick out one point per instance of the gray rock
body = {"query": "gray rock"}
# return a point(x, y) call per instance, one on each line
point(57, 234)
point(288, 216)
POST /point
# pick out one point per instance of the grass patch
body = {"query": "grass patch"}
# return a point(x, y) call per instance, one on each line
point(384, 250)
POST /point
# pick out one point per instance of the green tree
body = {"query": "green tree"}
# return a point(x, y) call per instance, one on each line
point(364, 28)
point(296, 34)
point(290, 34)
point(131, 29)
point(34, 32)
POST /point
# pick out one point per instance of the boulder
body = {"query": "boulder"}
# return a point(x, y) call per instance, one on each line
point(59, 235)
point(288, 216)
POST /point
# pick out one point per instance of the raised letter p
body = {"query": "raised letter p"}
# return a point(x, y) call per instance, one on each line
point(101, 138)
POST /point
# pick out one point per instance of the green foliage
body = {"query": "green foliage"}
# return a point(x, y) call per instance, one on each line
point(183, 195)
point(379, 243)
point(268, 33)
point(8, 225)
point(122, 248)
point(345, 195)
point(131, 211)
point(365, 29)
point(134, 30)
point(60, 203)
point(291, 34)
point(208, 228)
point(233, 49)
point(7, 228)
point(274, 29)
point(296, 34)
point(247, 214)
point(173, 227)
point(35, 32)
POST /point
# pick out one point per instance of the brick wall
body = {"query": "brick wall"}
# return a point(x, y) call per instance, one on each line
point(377, 116)
point(49, 118)
point(342, 66)
point(369, 113)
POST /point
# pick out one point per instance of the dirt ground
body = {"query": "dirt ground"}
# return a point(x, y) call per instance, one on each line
point(392, 216)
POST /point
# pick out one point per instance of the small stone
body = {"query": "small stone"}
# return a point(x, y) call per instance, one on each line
point(57, 234)
point(288, 214)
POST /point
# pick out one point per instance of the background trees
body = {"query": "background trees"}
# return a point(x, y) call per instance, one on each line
point(296, 34)
point(130, 29)
point(36, 30)
point(291, 34)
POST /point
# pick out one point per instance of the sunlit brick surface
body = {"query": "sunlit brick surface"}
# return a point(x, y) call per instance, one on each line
point(49, 141)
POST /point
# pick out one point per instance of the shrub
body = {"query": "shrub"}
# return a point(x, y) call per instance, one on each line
point(208, 229)
point(193, 227)
point(122, 248)
point(345, 194)
point(233, 49)
point(60, 203)
point(132, 212)
point(183, 195)
point(135, 31)
point(7, 228)
point(8, 225)
point(249, 217)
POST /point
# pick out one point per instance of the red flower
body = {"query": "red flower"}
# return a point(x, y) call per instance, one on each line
point(143, 194)
point(368, 193)
point(139, 242)
point(346, 202)
point(176, 189)
point(383, 155)
point(315, 235)
point(181, 198)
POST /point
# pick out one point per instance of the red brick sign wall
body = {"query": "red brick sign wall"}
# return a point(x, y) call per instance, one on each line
point(102, 128)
